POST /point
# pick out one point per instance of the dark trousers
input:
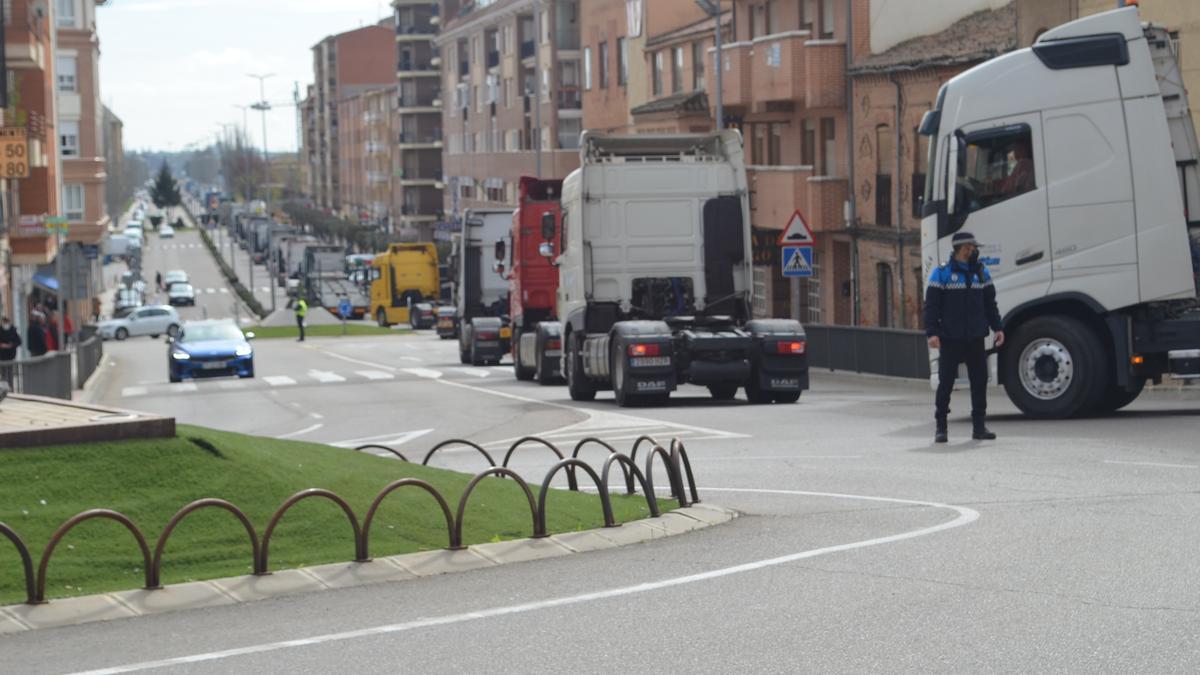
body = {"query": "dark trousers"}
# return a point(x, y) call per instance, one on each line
point(974, 354)
point(300, 325)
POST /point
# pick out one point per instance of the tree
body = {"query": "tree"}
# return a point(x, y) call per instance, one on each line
point(165, 192)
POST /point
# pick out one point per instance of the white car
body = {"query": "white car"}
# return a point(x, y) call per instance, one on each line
point(152, 320)
point(174, 277)
point(135, 233)
point(166, 232)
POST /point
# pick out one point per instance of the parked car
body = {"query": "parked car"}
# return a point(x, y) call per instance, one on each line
point(126, 300)
point(174, 277)
point(166, 232)
point(181, 294)
point(152, 320)
point(208, 349)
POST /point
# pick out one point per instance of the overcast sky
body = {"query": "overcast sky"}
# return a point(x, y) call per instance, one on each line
point(173, 70)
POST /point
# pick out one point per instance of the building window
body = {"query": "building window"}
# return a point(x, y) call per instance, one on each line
point(698, 65)
point(808, 144)
point(828, 165)
point(65, 72)
point(64, 13)
point(760, 140)
point(756, 21)
point(657, 83)
point(808, 15)
point(545, 26)
point(775, 145)
point(883, 273)
point(73, 201)
point(68, 137)
point(826, 19)
point(603, 54)
point(677, 70)
point(545, 84)
point(622, 62)
point(772, 17)
point(587, 68)
point(883, 175)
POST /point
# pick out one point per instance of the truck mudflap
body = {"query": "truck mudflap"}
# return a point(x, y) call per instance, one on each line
point(446, 322)
point(715, 358)
point(641, 356)
point(485, 341)
point(779, 358)
point(548, 351)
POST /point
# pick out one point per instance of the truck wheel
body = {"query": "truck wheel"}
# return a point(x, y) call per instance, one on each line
point(523, 374)
point(1115, 398)
point(577, 384)
point(381, 318)
point(756, 395)
point(464, 357)
point(1055, 367)
point(722, 392)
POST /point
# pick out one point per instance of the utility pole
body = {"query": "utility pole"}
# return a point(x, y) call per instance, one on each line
point(263, 106)
point(713, 9)
point(537, 89)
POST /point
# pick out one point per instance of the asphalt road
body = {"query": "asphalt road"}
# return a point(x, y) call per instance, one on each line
point(1063, 546)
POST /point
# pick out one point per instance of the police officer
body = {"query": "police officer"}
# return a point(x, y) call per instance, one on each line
point(960, 309)
point(301, 312)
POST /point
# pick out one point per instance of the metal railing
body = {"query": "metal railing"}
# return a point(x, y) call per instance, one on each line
point(46, 375)
point(878, 351)
point(88, 355)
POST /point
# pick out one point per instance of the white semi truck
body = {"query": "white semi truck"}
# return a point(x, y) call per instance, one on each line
point(481, 295)
point(1074, 162)
point(655, 280)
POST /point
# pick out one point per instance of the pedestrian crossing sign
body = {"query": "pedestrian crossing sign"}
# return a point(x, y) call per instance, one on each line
point(797, 261)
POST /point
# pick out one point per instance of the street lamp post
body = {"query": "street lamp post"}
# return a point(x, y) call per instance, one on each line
point(263, 106)
point(713, 9)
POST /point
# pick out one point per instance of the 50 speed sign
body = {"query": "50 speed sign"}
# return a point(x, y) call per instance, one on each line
point(14, 152)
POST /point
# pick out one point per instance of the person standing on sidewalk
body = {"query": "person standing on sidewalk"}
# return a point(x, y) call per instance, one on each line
point(10, 340)
point(960, 310)
point(35, 336)
point(301, 312)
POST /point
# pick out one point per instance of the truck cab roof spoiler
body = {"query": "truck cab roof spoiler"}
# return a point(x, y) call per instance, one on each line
point(596, 148)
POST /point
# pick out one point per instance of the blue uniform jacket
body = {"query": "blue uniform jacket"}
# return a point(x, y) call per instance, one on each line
point(960, 302)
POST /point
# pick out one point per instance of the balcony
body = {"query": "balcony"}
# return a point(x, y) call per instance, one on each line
point(417, 30)
point(569, 98)
point(417, 66)
point(736, 79)
point(777, 191)
point(464, 68)
point(778, 71)
point(825, 74)
point(408, 140)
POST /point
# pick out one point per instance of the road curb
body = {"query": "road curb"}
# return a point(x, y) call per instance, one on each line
point(407, 567)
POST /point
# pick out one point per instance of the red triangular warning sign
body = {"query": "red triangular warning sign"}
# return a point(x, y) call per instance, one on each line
point(797, 232)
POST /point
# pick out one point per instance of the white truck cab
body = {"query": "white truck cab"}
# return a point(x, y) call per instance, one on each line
point(1073, 162)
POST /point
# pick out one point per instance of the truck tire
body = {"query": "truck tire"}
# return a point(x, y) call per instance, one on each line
point(541, 376)
point(522, 373)
point(577, 383)
point(1055, 367)
point(381, 318)
point(722, 392)
point(1115, 398)
point(756, 395)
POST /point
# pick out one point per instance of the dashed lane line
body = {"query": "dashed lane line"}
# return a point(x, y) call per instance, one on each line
point(279, 380)
point(375, 374)
point(325, 377)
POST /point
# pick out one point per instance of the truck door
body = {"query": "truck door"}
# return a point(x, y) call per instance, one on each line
point(999, 195)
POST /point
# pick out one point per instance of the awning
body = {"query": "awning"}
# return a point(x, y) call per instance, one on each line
point(46, 282)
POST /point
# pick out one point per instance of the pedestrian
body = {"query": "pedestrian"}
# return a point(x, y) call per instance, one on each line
point(51, 330)
point(158, 281)
point(35, 335)
point(301, 312)
point(960, 310)
point(10, 340)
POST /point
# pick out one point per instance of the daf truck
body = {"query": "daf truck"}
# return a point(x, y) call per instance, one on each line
point(405, 285)
point(533, 281)
point(1074, 163)
point(481, 296)
point(655, 281)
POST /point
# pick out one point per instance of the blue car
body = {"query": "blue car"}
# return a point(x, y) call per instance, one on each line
point(210, 349)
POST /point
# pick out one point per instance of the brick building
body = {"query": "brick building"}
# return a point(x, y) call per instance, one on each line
point(114, 161)
point(415, 171)
point(344, 65)
point(512, 97)
point(365, 129)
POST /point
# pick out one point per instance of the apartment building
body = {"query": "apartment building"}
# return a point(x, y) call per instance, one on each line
point(365, 132)
point(344, 65)
point(512, 82)
point(415, 173)
point(29, 35)
point(115, 189)
point(310, 149)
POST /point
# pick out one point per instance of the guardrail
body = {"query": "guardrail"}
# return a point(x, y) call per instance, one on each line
point(675, 462)
point(879, 351)
point(46, 375)
point(88, 355)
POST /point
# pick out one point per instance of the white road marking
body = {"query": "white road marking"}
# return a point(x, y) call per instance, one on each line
point(325, 377)
point(129, 392)
point(424, 372)
point(235, 384)
point(965, 516)
point(1159, 464)
point(279, 380)
point(375, 375)
point(394, 438)
point(477, 372)
point(183, 386)
point(316, 416)
point(223, 290)
point(361, 363)
point(412, 359)
point(210, 291)
point(301, 432)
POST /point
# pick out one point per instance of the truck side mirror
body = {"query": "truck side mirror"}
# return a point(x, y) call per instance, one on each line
point(500, 250)
point(546, 249)
point(498, 268)
point(548, 226)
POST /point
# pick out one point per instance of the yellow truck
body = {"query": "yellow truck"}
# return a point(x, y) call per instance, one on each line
point(405, 285)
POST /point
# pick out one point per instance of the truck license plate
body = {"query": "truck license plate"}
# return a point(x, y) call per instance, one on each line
point(488, 344)
point(445, 323)
point(214, 365)
point(649, 361)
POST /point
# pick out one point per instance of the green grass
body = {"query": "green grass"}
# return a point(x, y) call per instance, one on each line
point(149, 480)
point(325, 330)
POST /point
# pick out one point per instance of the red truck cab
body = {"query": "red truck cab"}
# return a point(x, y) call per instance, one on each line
point(533, 280)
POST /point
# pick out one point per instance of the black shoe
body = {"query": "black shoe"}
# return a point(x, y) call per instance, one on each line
point(940, 435)
point(982, 433)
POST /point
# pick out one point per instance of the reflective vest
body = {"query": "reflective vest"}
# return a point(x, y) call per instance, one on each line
point(301, 309)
